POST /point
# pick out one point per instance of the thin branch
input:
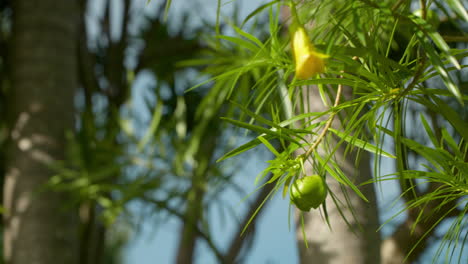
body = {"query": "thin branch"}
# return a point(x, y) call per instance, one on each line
point(209, 241)
point(415, 80)
point(329, 122)
point(327, 126)
point(106, 23)
point(125, 23)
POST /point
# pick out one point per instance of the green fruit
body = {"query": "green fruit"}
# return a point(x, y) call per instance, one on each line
point(308, 192)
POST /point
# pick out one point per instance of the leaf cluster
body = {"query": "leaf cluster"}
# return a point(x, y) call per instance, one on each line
point(391, 60)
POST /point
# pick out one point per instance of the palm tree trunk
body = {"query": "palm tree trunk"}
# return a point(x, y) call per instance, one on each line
point(39, 228)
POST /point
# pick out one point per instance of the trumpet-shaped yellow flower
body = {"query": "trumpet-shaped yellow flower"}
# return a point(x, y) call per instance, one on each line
point(308, 61)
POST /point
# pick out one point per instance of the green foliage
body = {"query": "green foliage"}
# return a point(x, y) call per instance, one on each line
point(394, 61)
point(390, 58)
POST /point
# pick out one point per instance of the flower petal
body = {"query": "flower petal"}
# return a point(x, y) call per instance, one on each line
point(308, 62)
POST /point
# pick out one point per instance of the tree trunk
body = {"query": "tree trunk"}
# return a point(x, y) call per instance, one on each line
point(356, 242)
point(195, 196)
point(39, 226)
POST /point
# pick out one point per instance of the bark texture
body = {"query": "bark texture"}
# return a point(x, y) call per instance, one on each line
point(358, 241)
point(39, 227)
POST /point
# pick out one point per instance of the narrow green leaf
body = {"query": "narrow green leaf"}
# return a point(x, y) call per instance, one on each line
point(153, 125)
point(427, 29)
point(286, 186)
point(437, 157)
point(429, 131)
point(339, 176)
point(258, 10)
point(451, 116)
point(450, 141)
point(218, 77)
point(166, 9)
point(253, 143)
point(281, 128)
point(458, 8)
point(248, 36)
point(439, 66)
point(268, 145)
point(276, 176)
point(361, 144)
point(260, 129)
point(249, 145)
point(313, 115)
point(258, 209)
point(241, 42)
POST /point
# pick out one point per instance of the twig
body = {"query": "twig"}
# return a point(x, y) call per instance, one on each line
point(414, 82)
point(206, 237)
point(329, 122)
point(327, 126)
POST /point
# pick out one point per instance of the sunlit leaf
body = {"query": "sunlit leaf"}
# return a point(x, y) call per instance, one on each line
point(361, 144)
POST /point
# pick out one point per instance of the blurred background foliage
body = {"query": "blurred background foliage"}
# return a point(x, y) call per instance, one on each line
point(155, 146)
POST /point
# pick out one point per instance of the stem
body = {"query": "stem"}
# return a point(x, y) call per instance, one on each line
point(329, 122)
point(415, 80)
point(327, 126)
point(423, 9)
point(294, 14)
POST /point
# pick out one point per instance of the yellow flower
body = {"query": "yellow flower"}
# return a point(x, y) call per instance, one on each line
point(308, 61)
